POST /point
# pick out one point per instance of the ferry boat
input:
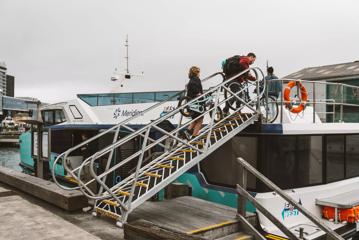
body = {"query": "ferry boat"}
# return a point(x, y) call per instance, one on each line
point(129, 145)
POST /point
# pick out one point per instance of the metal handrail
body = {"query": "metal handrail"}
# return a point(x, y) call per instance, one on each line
point(340, 87)
point(246, 166)
point(149, 126)
point(118, 126)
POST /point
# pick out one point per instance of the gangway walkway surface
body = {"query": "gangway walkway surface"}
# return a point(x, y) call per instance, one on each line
point(148, 175)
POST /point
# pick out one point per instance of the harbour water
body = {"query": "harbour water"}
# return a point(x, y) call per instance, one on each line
point(10, 158)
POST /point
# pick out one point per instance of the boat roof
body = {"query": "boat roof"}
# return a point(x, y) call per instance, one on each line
point(328, 72)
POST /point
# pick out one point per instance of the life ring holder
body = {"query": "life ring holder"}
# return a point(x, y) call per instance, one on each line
point(303, 97)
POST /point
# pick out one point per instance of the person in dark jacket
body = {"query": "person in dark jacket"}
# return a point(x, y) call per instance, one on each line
point(244, 63)
point(274, 87)
point(194, 89)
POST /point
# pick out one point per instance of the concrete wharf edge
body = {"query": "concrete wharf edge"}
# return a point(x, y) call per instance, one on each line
point(43, 189)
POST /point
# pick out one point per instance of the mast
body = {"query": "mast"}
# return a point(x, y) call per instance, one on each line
point(126, 45)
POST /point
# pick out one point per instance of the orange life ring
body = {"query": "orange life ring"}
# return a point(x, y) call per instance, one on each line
point(287, 100)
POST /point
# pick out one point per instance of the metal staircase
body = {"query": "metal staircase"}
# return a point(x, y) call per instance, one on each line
point(146, 178)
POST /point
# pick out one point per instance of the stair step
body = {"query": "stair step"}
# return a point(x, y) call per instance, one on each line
point(71, 179)
point(198, 143)
point(149, 174)
point(109, 202)
point(176, 159)
point(237, 236)
point(164, 166)
point(124, 193)
point(186, 150)
point(141, 184)
point(107, 213)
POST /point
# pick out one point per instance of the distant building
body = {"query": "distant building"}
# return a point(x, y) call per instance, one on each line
point(346, 73)
point(10, 86)
point(2, 83)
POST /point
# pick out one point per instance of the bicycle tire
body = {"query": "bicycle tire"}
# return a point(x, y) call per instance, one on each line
point(219, 114)
point(184, 111)
point(271, 107)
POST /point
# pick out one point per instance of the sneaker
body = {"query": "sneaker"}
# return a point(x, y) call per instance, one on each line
point(187, 134)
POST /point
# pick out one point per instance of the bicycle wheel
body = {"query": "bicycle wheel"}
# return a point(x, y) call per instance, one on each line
point(219, 114)
point(235, 87)
point(184, 111)
point(269, 108)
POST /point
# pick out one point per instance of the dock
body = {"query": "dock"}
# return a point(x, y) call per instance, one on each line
point(29, 210)
point(9, 138)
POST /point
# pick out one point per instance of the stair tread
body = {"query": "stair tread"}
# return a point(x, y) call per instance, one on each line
point(236, 236)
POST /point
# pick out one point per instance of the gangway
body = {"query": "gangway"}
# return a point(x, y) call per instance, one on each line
point(148, 175)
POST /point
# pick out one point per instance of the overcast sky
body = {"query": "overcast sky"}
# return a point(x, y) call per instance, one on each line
point(58, 48)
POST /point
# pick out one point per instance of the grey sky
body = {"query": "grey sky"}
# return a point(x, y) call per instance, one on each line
point(57, 48)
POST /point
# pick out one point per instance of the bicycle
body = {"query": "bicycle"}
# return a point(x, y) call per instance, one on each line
point(268, 103)
point(200, 106)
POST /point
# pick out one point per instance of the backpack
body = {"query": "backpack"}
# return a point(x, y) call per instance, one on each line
point(231, 65)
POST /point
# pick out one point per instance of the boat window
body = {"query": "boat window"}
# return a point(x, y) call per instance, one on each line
point(352, 156)
point(310, 160)
point(163, 96)
point(335, 158)
point(143, 97)
point(89, 99)
point(292, 161)
point(123, 98)
point(75, 112)
point(48, 117)
point(221, 167)
point(59, 116)
point(105, 99)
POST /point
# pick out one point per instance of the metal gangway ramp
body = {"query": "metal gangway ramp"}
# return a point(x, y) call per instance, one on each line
point(148, 173)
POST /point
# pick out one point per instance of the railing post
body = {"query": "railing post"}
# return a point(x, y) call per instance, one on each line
point(139, 163)
point(258, 96)
point(214, 112)
point(314, 102)
point(281, 102)
point(109, 159)
point(241, 201)
point(301, 233)
point(341, 104)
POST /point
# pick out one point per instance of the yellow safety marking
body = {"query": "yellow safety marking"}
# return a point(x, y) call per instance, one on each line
point(275, 237)
point(141, 184)
point(164, 166)
point(107, 214)
point(123, 193)
point(186, 150)
point(109, 202)
point(242, 237)
point(204, 229)
point(149, 174)
point(71, 179)
point(176, 158)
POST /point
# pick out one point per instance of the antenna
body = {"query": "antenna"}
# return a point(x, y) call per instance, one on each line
point(126, 75)
point(126, 45)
